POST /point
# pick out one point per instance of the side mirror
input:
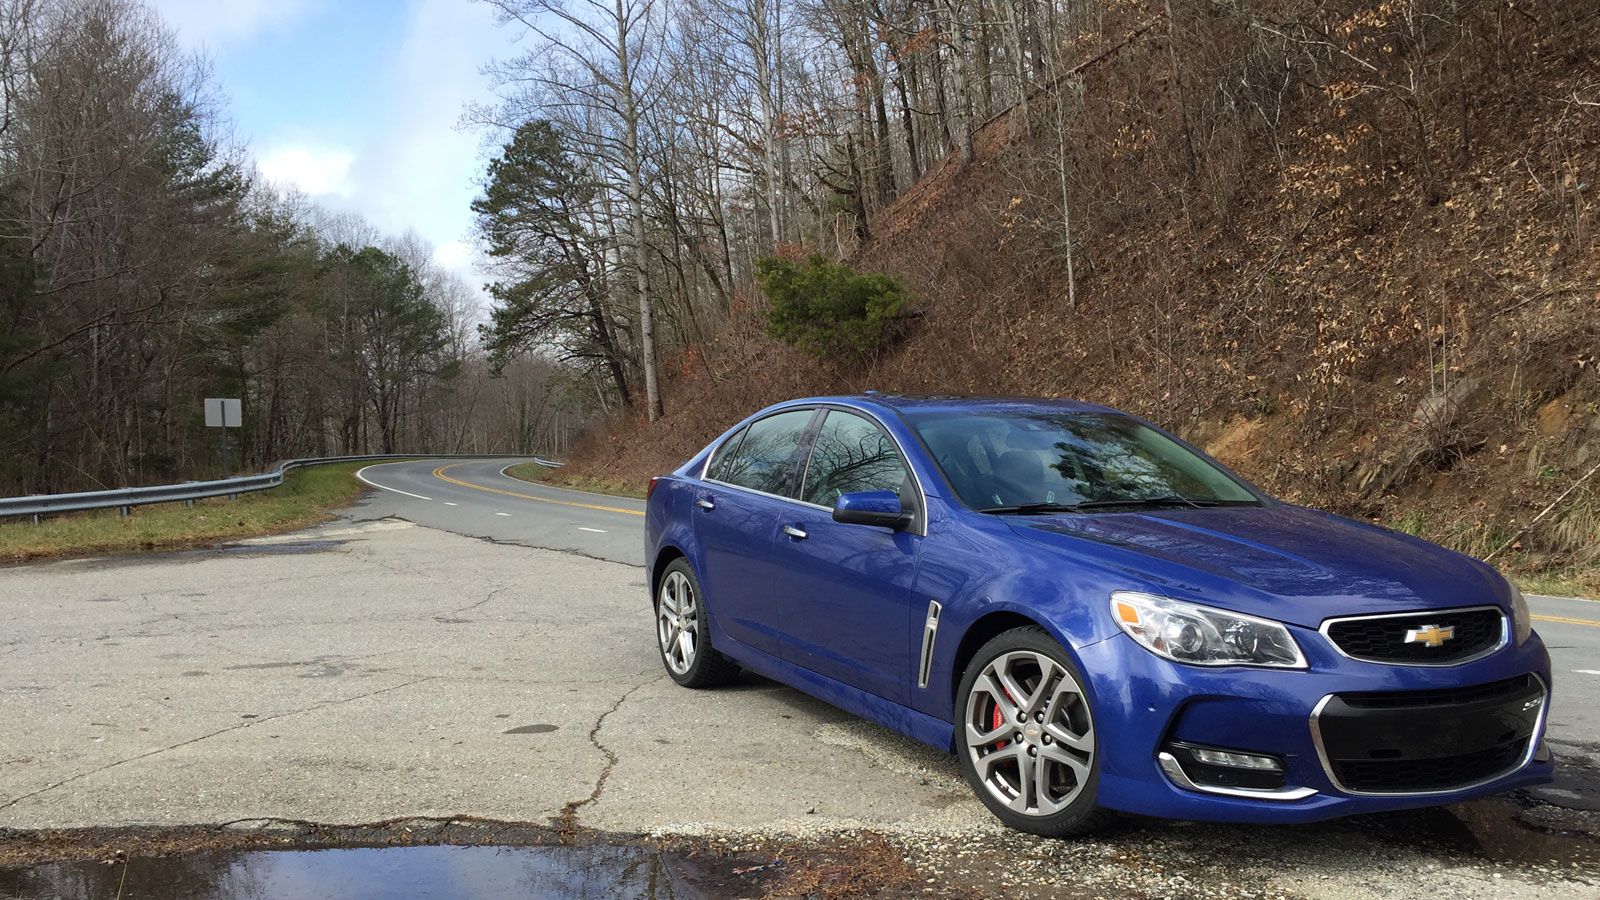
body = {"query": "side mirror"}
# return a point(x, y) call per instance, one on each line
point(880, 508)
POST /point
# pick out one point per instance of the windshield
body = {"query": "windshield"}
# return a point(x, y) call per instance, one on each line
point(1044, 461)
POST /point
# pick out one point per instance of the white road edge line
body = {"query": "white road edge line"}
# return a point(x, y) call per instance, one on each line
point(1586, 671)
point(551, 487)
point(361, 476)
point(595, 530)
point(507, 515)
point(448, 503)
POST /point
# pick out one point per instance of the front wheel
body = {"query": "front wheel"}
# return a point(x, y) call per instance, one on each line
point(683, 631)
point(1026, 736)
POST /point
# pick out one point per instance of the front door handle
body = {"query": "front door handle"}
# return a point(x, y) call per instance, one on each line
point(705, 503)
point(794, 532)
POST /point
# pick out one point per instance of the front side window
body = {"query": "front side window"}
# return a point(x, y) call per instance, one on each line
point(1002, 461)
point(851, 454)
point(764, 460)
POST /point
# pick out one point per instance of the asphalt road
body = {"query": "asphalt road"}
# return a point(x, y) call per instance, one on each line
point(479, 500)
point(382, 667)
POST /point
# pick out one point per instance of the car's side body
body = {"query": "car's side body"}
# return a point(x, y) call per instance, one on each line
point(882, 622)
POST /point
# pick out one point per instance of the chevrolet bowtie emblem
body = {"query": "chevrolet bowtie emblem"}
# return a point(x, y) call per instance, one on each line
point(1432, 635)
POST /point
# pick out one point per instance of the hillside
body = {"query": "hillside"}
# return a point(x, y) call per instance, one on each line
point(1389, 309)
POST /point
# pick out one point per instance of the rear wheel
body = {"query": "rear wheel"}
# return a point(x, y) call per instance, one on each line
point(683, 631)
point(1026, 736)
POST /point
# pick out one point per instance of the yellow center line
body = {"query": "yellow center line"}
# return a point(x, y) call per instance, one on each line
point(1593, 623)
point(439, 474)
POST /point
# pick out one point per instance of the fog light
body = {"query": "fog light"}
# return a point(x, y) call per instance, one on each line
point(1234, 760)
point(1215, 767)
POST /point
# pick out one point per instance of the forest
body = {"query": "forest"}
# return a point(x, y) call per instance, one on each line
point(145, 265)
point(1349, 246)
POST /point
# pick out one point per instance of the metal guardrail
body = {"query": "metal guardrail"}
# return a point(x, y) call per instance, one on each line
point(189, 491)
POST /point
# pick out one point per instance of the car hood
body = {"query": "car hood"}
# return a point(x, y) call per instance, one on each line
point(1284, 562)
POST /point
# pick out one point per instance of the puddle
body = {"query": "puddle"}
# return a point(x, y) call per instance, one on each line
point(532, 729)
point(400, 873)
point(279, 547)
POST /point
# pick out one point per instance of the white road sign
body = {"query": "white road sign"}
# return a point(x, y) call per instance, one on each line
point(224, 412)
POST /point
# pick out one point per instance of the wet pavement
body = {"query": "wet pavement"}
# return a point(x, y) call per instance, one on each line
point(392, 873)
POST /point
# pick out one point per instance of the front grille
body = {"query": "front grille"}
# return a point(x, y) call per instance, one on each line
point(1446, 697)
point(1410, 775)
point(1441, 739)
point(1383, 638)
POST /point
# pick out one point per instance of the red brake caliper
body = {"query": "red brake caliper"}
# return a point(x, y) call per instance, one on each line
point(998, 719)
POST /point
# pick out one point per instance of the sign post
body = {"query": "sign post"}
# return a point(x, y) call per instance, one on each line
point(224, 413)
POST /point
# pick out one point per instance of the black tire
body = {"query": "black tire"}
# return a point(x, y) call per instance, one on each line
point(706, 667)
point(1080, 814)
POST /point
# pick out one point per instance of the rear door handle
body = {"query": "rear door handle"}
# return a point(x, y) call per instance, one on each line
point(794, 532)
point(705, 503)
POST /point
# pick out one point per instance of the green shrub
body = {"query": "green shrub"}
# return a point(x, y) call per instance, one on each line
point(828, 309)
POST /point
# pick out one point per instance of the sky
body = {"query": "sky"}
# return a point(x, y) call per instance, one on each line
point(357, 102)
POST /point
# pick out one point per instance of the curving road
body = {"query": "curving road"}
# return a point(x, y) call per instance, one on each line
point(477, 499)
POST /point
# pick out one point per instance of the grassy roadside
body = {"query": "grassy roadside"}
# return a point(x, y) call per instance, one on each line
point(304, 499)
point(532, 471)
point(1560, 583)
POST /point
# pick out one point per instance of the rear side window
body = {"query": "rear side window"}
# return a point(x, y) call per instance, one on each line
point(764, 460)
point(852, 454)
point(717, 468)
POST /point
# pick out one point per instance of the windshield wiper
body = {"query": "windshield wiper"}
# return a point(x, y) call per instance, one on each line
point(1031, 509)
point(1034, 509)
point(1163, 500)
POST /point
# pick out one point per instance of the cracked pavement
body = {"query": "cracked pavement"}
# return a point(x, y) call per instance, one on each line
point(371, 670)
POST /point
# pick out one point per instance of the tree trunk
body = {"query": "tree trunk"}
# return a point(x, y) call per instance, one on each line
point(641, 252)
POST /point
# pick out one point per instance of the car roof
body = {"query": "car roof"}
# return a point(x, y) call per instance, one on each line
point(945, 403)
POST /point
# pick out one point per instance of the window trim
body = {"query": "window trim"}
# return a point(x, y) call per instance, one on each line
point(919, 524)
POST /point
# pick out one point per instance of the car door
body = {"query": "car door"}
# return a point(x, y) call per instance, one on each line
point(748, 483)
point(845, 591)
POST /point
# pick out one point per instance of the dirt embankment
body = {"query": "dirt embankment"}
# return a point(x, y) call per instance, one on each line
point(1401, 328)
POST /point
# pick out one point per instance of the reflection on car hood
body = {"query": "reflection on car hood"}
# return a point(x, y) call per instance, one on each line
point(1297, 565)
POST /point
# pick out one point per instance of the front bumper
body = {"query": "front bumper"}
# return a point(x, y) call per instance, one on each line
point(1142, 702)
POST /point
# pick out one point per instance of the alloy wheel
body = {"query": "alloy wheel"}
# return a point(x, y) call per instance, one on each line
point(1029, 732)
point(677, 622)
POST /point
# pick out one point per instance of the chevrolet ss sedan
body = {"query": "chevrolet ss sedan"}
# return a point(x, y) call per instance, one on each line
point(1092, 615)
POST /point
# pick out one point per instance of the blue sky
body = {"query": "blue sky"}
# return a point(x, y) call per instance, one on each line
point(356, 102)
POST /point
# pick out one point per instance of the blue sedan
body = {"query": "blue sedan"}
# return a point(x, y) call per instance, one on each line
point(1092, 614)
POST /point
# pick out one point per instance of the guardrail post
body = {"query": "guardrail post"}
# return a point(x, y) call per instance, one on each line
point(189, 504)
point(126, 511)
point(35, 518)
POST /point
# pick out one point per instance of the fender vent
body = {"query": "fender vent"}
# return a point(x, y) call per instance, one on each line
point(930, 631)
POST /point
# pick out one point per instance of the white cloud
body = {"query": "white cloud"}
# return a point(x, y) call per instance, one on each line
point(456, 256)
point(420, 170)
point(316, 170)
point(399, 160)
point(213, 22)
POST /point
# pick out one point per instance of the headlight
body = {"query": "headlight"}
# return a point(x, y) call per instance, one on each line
point(1521, 621)
point(1202, 636)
